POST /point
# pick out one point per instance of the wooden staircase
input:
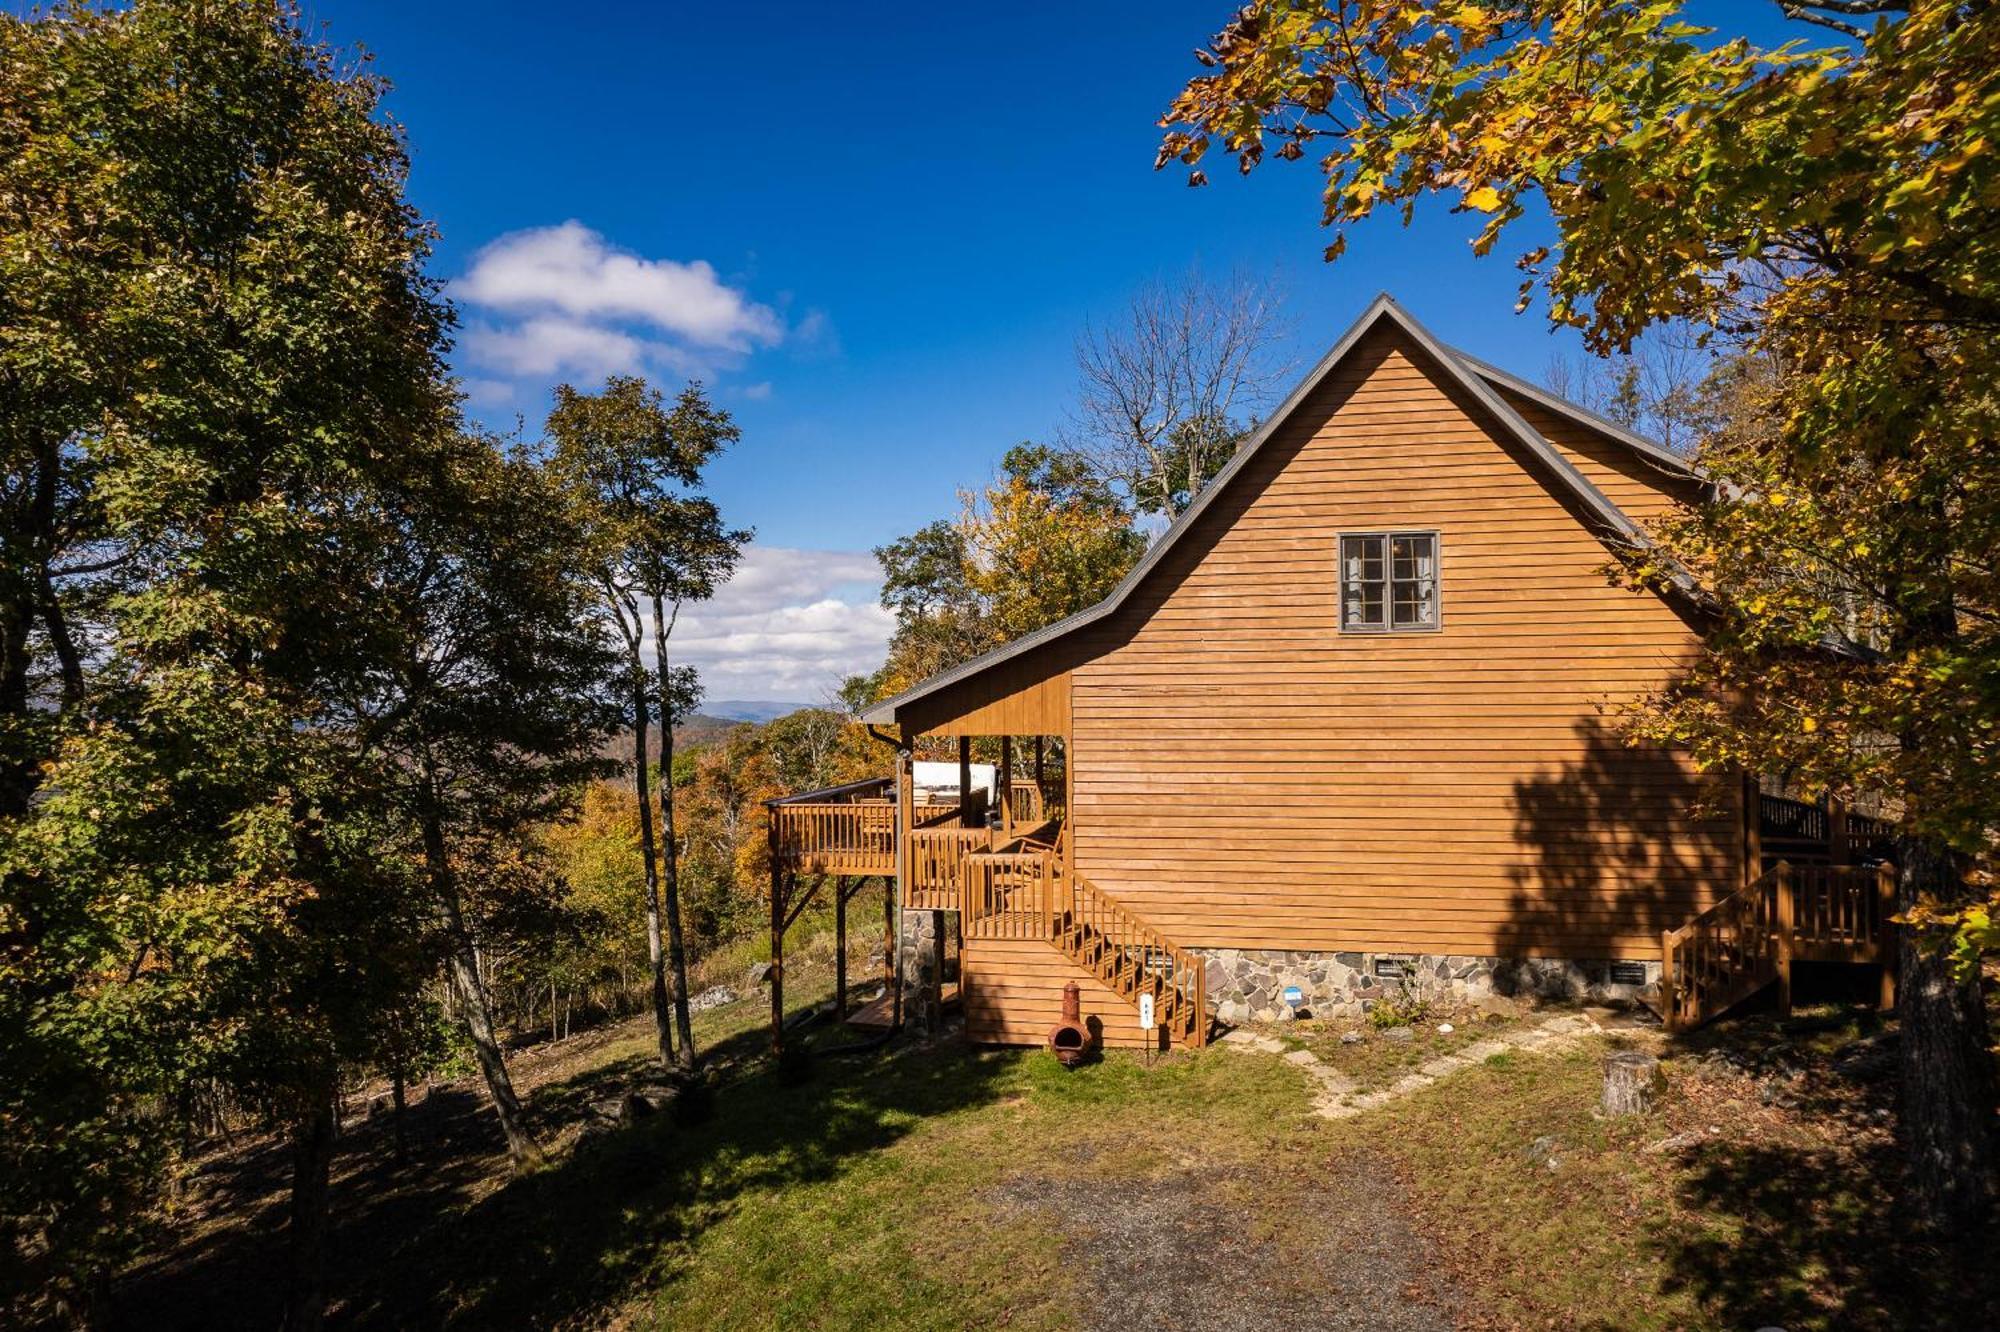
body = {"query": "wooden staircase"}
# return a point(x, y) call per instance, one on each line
point(1749, 940)
point(1031, 894)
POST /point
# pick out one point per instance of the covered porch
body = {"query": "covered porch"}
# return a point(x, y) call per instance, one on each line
point(927, 831)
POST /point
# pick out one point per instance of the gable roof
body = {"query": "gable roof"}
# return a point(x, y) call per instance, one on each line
point(1479, 380)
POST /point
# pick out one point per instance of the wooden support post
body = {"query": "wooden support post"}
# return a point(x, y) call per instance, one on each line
point(1786, 910)
point(1667, 987)
point(777, 975)
point(897, 895)
point(1006, 784)
point(840, 948)
point(965, 818)
point(1889, 941)
point(1836, 832)
point(1753, 829)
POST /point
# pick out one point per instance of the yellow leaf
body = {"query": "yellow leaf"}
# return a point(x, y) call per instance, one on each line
point(1486, 199)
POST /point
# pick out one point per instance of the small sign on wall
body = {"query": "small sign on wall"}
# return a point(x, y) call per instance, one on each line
point(1145, 1012)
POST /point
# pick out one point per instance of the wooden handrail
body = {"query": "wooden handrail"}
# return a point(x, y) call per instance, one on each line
point(864, 789)
point(839, 837)
point(1131, 956)
point(937, 857)
point(1751, 938)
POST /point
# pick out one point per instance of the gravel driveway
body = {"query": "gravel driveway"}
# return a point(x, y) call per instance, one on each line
point(1237, 1249)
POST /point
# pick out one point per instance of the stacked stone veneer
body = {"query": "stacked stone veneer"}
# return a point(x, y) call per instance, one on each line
point(1249, 984)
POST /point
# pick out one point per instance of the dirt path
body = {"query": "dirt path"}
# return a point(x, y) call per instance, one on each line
point(1200, 1250)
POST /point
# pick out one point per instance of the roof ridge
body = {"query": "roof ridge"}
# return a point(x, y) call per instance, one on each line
point(1457, 366)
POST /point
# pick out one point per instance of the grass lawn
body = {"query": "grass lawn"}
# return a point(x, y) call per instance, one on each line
point(952, 1188)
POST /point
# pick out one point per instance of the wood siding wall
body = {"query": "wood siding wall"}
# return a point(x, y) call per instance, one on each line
point(1247, 776)
point(1029, 695)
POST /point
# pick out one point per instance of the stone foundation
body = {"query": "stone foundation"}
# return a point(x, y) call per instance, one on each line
point(921, 972)
point(1249, 984)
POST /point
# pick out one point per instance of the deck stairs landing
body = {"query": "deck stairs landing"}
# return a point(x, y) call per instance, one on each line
point(1011, 901)
point(1749, 941)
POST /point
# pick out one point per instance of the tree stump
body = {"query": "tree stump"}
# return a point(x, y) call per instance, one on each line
point(1632, 1082)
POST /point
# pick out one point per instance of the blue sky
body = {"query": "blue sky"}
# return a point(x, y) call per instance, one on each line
point(875, 231)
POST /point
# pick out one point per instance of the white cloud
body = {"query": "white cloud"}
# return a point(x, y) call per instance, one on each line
point(552, 345)
point(571, 269)
point(757, 392)
point(487, 392)
point(791, 624)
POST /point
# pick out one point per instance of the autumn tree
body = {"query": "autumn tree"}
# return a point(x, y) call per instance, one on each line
point(218, 345)
point(1167, 391)
point(633, 467)
point(1824, 212)
point(484, 689)
point(1046, 538)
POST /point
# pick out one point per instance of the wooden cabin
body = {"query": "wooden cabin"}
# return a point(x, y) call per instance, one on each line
point(1349, 727)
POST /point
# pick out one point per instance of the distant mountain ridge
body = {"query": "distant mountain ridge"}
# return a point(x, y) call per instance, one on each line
point(749, 709)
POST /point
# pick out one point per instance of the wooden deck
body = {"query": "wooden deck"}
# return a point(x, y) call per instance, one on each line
point(1791, 913)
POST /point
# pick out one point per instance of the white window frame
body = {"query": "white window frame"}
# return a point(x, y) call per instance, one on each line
point(1388, 537)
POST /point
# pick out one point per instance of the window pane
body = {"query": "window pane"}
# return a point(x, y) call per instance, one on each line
point(1363, 582)
point(1368, 606)
point(1371, 559)
point(1413, 605)
point(1406, 557)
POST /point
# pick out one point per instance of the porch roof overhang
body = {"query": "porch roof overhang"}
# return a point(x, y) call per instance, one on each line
point(1481, 382)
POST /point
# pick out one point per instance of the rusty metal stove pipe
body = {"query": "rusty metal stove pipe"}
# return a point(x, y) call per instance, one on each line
point(1068, 1039)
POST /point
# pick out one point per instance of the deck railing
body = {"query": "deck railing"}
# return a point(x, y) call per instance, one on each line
point(848, 829)
point(937, 857)
point(1790, 913)
point(1031, 894)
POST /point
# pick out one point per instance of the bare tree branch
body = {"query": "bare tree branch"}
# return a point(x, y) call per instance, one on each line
point(1166, 395)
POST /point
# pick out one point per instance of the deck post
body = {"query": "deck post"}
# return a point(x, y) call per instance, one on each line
point(1006, 784)
point(1786, 909)
point(777, 976)
point(1753, 829)
point(840, 948)
point(1038, 765)
point(1667, 981)
point(1888, 946)
point(965, 782)
point(896, 894)
point(1836, 832)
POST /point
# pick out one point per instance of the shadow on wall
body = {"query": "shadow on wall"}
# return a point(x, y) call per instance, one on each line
point(1621, 842)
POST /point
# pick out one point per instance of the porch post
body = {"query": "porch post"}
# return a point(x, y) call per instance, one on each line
point(965, 782)
point(1038, 763)
point(1787, 916)
point(896, 892)
point(1753, 829)
point(1007, 785)
point(840, 948)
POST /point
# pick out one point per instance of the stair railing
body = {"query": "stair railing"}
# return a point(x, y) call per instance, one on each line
point(1790, 913)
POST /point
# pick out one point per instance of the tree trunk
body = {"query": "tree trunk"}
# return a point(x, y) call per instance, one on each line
point(471, 995)
point(656, 952)
point(670, 875)
point(1947, 1092)
point(312, 1166)
point(1632, 1083)
point(398, 1112)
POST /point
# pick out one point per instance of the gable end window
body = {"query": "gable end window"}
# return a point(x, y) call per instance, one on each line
point(1388, 582)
